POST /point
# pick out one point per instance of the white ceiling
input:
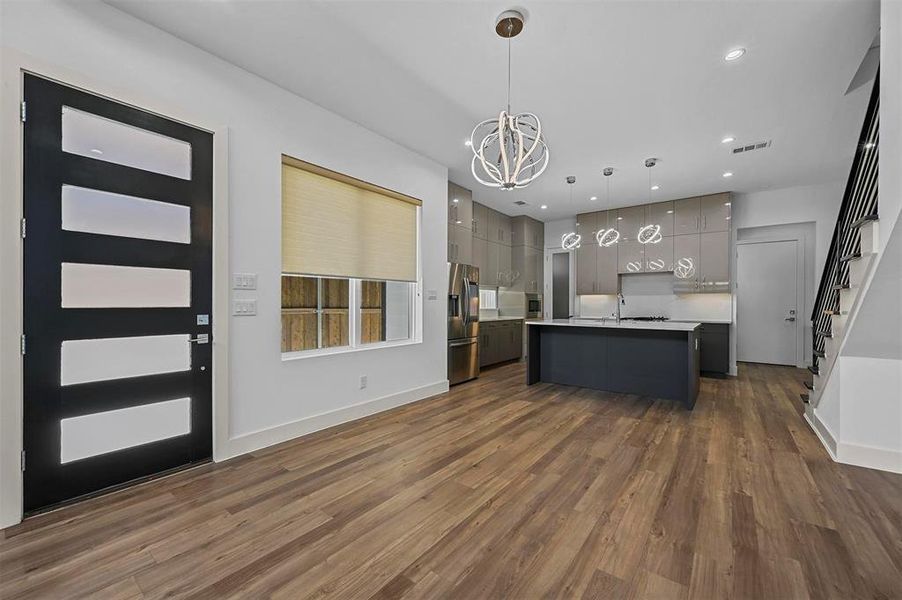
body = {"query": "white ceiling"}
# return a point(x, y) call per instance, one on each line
point(613, 82)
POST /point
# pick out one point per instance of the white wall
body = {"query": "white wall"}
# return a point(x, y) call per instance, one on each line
point(890, 176)
point(270, 399)
point(802, 204)
point(870, 412)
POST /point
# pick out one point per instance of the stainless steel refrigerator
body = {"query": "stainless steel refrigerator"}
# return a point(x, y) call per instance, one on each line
point(463, 322)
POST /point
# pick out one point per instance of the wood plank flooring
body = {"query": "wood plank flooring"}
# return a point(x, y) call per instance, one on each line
point(497, 490)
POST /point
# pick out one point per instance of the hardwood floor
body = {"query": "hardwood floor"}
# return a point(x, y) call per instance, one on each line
point(496, 490)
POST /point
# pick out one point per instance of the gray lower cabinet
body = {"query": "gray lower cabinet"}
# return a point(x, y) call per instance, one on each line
point(500, 341)
point(714, 347)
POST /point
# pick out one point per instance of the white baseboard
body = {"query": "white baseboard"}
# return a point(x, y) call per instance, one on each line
point(869, 457)
point(822, 432)
point(881, 459)
point(282, 433)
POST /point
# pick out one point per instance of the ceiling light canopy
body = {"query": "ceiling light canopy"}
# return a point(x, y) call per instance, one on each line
point(734, 54)
point(728, 139)
point(544, 207)
point(728, 174)
point(509, 151)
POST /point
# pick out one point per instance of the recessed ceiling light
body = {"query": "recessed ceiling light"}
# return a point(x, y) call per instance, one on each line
point(734, 54)
point(669, 212)
point(655, 187)
point(544, 206)
point(726, 204)
point(96, 150)
point(594, 198)
point(728, 139)
point(455, 201)
point(619, 218)
point(458, 221)
point(728, 174)
point(468, 143)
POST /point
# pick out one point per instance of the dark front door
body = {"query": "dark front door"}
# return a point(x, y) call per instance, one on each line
point(118, 206)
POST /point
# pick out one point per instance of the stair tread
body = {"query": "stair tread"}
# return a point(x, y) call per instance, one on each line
point(809, 385)
point(804, 397)
point(841, 286)
point(820, 354)
point(814, 370)
point(828, 334)
point(849, 257)
point(863, 220)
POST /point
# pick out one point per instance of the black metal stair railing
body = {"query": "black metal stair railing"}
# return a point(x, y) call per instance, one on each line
point(859, 205)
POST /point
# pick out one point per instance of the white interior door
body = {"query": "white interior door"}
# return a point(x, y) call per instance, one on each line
point(768, 280)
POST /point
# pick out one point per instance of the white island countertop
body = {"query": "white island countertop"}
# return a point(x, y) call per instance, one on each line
point(623, 324)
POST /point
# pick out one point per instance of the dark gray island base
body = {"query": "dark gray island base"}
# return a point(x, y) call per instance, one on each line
point(659, 360)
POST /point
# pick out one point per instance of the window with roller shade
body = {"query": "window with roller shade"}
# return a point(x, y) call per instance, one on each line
point(349, 261)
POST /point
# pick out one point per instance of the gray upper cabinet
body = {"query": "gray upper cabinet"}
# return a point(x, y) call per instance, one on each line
point(480, 221)
point(714, 261)
point(460, 206)
point(460, 245)
point(526, 231)
point(586, 269)
point(504, 229)
point(586, 226)
point(659, 257)
point(630, 256)
point(630, 221)
point(660, 213)
point(606, 280)
point(685, 263)
point(686, 216)
point(715, 212)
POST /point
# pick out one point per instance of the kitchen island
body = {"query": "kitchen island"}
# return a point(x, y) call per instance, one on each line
point(659, 359)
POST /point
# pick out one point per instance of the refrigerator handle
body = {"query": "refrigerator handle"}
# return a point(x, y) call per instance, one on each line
point(466, 296)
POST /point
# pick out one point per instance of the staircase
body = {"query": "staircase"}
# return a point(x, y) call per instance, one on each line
point(851, 257)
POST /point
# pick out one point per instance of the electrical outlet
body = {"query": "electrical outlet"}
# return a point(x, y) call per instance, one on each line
point(363, 382)
point(244, 308)
point(244, 281)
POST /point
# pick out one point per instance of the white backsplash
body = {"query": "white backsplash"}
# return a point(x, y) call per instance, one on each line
point(652, 295)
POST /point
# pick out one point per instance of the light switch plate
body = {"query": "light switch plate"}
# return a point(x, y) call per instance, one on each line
point(244, 308)
point(244, 281)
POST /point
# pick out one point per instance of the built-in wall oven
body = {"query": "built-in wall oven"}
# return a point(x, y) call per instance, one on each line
point(463, 322)
point(533, 306)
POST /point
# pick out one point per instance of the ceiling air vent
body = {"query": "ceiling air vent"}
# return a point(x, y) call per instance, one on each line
point(520, 203)
point(750, 147)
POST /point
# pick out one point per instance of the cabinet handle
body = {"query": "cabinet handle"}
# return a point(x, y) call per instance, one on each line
point(697, 223)
point(705, 226)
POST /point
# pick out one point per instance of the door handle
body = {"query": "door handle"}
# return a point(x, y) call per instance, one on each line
point(459, 344)
point(203, 338)
point(789, 319)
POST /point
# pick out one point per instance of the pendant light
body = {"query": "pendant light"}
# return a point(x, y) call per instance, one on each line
point(509, 151)
point(609, 235)
point(651, 233)
point(571, 240)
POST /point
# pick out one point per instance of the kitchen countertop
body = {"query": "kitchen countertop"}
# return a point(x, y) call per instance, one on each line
point(491, 319)
point(612, 324)
point(717, 321)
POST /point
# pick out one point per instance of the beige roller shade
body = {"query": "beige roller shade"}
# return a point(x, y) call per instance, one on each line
point(334, 225)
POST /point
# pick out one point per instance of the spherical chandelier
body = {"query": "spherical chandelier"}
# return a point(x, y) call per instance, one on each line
point(509, 151)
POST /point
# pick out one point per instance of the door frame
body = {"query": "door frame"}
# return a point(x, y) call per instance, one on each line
point(800, 291)
point(548, 296)
point(13, 67)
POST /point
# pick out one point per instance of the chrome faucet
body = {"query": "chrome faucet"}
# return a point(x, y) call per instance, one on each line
point(620, 300)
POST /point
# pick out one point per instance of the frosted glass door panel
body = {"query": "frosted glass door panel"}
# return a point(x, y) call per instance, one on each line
point(114, 358)
point(100, 433)
point(104, 139)
point(112, 286)
point(106, 213)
